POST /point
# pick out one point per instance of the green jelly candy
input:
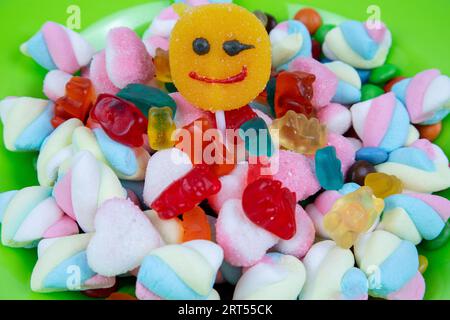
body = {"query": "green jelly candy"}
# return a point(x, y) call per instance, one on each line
point(145, 97)
point(438, 242)
point(170, 87)
point(322, 32)
point(270, 88)
point(328, 169)
point(256, 136)
point(383, 74)
point(370, 91)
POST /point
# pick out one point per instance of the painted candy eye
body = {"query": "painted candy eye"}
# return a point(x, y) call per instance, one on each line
point(234, 47)
point(201, 46)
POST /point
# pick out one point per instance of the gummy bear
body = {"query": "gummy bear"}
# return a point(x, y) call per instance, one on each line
point(351, 215)
point(383, 185)
point(121, 120)
point(162, 65)
point(196, 226)
point(298, 133)
point(423, 264)
point(160, 128)
point(186, 193)
point(256, 136)
point(271, 206)
point(328, 169)
point(294, 91)
point(78, 101)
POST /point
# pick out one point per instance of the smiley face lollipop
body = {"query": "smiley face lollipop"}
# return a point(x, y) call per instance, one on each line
point(220, 56)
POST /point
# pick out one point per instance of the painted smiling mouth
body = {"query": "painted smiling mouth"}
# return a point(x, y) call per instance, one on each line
point(233, 79)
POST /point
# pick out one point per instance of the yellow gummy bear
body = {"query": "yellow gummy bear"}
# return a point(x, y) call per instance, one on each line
point(160, 128)
point(351, 215)
point(383, 185)
point(297, 133)
point(220, 56)
point(162, 66)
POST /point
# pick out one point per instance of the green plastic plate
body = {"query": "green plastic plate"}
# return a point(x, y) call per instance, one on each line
point(420, 31)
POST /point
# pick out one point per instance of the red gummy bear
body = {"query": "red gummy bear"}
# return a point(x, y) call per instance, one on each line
point(294, 91)
point(78, 101)
point(236, 118)
point(270, 206)
point(121, 120)
point(186, 193)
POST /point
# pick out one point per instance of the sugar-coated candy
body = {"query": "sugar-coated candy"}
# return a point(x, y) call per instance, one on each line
point(76, 103)
point(162, 66)
point(310, 18)
point(128, 163)
point(26, 122)
point(328, 169)
point(300, 134)
point(62, 266)
point(373, 155)
point(415, 216)
point(430, 132)
point(349, 86)
point(383, 185)
point(359, 44)
point(123, 237)
point(124, 61)
point(295, 172)
point(382, 122)
point(335, 117)
point(322, 32)
point(358, 172)
point(121, 120)
point(270, 206)
point(146, 97)
point(195, 225)
point(331, 275)
point(180, 272)
point(289, 40)
point(160, 128)
point(422, 167)
point(370, 91)
point(351, 215)
point(58, 47)
point(345, 150)
point(212, 69)
point(31, 214)
point(55, 84)
point(325, 84)
point(84, 187)
point(390, 264)
point(425, 96)
point(294, 91)
point(323, 204)
point(170, 230)
point(55, 150)
point(274, 277)
point(383, 74)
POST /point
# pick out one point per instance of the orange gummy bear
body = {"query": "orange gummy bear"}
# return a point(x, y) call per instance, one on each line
point(162, 65)
point(383, 185)
point(78, 101)
point(351, 215)
point(298, 133)
point(196, 225)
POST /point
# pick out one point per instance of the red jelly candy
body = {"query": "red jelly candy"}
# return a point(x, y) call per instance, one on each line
point(316, 49)
point(392, 82)
point(186, 193)
point(236, 118)
point(78, 101)
point(270, 206)
point(121, 120)
point(196, 225)
point(294, 91)
point(258, 167)
point(101, 293)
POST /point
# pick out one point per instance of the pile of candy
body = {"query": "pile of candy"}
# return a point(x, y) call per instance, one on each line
point(328, 200)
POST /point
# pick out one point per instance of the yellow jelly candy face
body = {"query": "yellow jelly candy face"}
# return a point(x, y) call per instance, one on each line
point(219, 56)
point(351, 215)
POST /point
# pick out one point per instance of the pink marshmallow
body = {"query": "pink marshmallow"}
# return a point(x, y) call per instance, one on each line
point(345, 151)
point(55, 84)
point(326, 82)
point(64, 227)
point(62, 192)
point(413, 290)
point(186, 112)
point(336, 117)
point(99, 75)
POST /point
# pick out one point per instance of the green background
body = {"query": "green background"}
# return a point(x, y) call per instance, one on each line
point(420, 32)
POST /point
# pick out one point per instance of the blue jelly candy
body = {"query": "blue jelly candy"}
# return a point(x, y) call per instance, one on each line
point(257, 138)
point(373, 155)
point(328, 169)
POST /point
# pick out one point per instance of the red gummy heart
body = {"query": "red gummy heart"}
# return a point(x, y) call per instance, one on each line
point(270, 206)
point(186, 193)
